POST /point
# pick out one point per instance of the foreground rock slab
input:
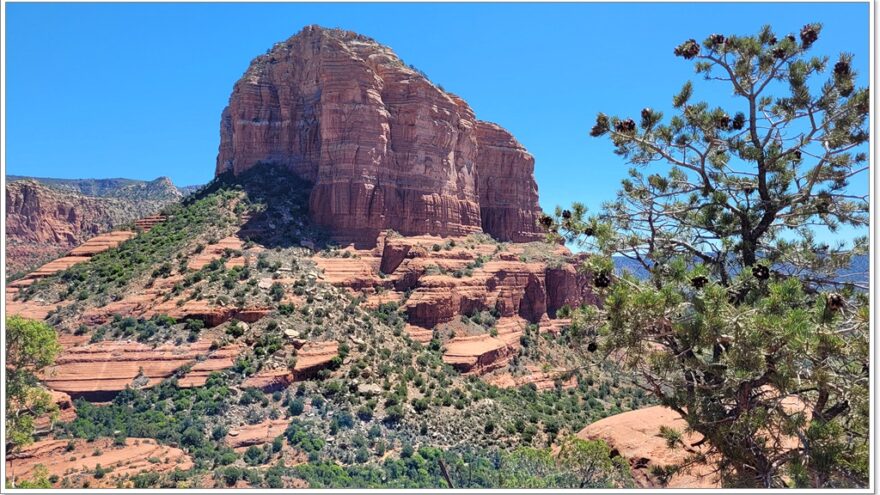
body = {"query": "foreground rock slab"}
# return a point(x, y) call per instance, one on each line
point(635, 435)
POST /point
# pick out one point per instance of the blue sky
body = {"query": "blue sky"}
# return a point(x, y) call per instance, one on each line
point(136, 90)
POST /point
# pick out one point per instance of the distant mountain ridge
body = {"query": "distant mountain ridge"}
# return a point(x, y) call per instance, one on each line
point(46, 217)
point(158, 189)
point(858, 271)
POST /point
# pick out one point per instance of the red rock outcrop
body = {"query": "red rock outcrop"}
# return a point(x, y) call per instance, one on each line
point(543, 380)
point(232, 245)
point(269, 380)
point(257, 434)
point(313, 357)
point(136, 456)
point(384, 147)
point(478, 354)
point(38, 310)
point(515, 280)
point(635, 435)
point(66, 412)
point(98, 371)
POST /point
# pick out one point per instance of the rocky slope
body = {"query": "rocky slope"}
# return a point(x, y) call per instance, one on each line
point(448, 343)
point(159, 189)
point(384, 147)
point(43, 221)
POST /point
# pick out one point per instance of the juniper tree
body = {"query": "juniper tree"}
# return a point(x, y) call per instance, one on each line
point(745, 325)
point(30, 346)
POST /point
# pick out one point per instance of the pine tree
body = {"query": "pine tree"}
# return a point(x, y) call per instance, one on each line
point(744, 326)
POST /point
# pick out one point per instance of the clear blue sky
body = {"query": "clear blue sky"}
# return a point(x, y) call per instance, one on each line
point(136, 90)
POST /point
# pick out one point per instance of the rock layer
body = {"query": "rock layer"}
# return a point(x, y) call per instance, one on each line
point(528, 281)
point(384, 147)
point(79, 458)
point(99, 371)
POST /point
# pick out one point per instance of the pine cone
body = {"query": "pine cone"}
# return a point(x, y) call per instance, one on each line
point(699, 282)
point(739, 120)
point(546, 221)
point(566, 214)
point(625, 126)
point(761, 272)
point(841, 68)
point(588, 231)
point(823, 203)
point(772, 40)
point(717, 39)
point(689, 49)
point(601, 126)
point(646, 113)
point(779, 53)
point(797, 154)
point(835, 302)
point(808, 35)
point(602, 280)
point(723, 121)
point(790, 37)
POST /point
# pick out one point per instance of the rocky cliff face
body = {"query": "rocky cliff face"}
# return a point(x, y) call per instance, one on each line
point(384, 147)
point(43, 222)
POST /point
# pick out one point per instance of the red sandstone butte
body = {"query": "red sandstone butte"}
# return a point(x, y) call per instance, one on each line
point(384, 147)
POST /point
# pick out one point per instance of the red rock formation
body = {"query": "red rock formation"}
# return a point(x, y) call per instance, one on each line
point(506, 184)
point(66, 412)
point(147, 223)
point(635, 435)
point(38, 310)
point(478, 354)
point(217, 360)
point(313, 357)
point(257, 434)
point(384, 147)
point(98, 371)
point(543, 380)
point(136, 456)
point(231, 244)
point(269, 380)
point(515, 281)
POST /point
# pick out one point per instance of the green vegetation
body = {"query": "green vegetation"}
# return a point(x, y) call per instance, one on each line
point(744, 311)
point(30, 346)
point(109, 273)
point(580, 464)
point(411, 399)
